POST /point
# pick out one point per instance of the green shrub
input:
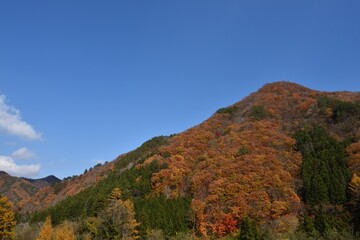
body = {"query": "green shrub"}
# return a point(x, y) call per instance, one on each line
point(258, 113)
point(243, 150)
point(341, 110)
point(227, 110)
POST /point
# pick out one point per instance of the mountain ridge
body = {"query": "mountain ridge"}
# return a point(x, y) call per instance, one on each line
point(241, 162)
point(20, 189)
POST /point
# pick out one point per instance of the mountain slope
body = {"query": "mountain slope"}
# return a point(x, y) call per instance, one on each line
point(242, 162)
point(18, 190)
point(49, 195)
point(42, 182)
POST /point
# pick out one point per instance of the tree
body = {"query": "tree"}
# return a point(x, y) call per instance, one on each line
point(258, 113)
point(354, 203)
point(64, 232)
point(324, 169)
point(249, 230)
point(115, 195)
point(46, 230)
point(7, 222)
point(118, 220)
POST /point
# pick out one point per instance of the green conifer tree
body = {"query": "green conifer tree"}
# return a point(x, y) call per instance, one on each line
point(323, 170)
point(249, 230)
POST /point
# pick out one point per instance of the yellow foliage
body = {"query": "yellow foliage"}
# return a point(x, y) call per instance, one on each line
point(46, 230)
point(92, 225)
point(278, 209)
point(7, 222)
point(122, 215)
point(64, 232)
point(115, 194)
point(354, 157)
point(354, 184)
point(87, 237)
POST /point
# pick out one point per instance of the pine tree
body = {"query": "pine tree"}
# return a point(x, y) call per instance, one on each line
point(7, 222)
point(324, 170)
point(249, 230)
point(46, 230)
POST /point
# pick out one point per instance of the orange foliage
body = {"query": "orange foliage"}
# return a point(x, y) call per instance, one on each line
point(235, 166)
point(168, 181)
point(46, 197)
point(354, 157)
point(224, 183)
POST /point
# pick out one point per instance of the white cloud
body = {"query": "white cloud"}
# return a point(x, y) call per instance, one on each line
point(11, 122)
point(23, 153)
point(8, 165)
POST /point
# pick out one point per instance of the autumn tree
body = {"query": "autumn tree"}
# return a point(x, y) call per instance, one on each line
point(64, 232)
point(118, 220)
point(7, 222)
point(354, 203)
point(46, 230)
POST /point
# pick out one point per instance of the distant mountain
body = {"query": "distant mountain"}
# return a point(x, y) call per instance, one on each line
point(42, 182)
point(57, 190)
point(16, 189)
point(19, 190)
point(286, 157)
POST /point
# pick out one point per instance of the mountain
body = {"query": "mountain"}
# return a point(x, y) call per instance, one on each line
point(18, 190)
point(43, 182)
point(279, 158)
point(52, 193)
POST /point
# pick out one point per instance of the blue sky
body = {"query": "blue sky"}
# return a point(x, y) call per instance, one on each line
point(84, 81)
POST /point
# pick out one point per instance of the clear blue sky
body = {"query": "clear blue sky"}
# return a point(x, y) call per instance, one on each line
point(84, 81)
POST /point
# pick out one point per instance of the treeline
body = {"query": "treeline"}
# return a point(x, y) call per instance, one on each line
point(326, 181)
point(324, 169)
point(151, 211)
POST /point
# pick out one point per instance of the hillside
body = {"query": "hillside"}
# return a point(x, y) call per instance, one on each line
point(48, 195)
point(280, 157)
point(41, 182)
point(19, 190)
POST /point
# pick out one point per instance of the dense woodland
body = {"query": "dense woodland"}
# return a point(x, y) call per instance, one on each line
point(283, 163)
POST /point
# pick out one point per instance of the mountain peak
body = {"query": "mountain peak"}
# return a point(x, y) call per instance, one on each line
point(47, 180)
point(283, 85)
point(2, 173)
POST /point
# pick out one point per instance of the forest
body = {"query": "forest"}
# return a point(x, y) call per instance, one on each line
point(283, 163)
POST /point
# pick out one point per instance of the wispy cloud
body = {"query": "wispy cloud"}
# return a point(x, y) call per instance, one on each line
point(23, 153)
point(11, 122)
point(97, 161)
point(8, 165)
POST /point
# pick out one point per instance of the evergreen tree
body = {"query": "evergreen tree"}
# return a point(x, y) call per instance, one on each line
point(321, 223)
point(323, 170)
point(7, 222)
point(249, 230)
point(308, 226)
